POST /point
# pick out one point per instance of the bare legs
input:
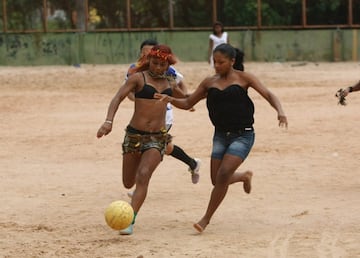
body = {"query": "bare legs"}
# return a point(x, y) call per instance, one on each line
point(222, 175)
point(243, 177)
point(138, 169)
point(217, 195)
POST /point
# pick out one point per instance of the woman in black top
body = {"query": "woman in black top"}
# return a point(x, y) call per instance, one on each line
point(231, 112)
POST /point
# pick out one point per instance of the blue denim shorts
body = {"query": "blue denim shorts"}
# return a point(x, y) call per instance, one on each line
point(238, 144)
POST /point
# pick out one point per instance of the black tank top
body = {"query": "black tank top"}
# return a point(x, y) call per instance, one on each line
point(231, 109)
point(148, 91)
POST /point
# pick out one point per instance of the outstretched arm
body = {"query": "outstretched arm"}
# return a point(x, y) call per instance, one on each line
point(188, 101)
point(270, 97)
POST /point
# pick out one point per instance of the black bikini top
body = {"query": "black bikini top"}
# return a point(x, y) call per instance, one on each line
point(148, 91)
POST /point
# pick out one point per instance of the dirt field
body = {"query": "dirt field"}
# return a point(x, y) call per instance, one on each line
point(57, 178)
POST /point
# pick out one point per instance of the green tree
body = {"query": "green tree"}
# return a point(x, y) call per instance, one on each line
point(274, 12)
point(189, 13)
point(327, 12)
point(24, 15)
point(281, 12)
point(113, 13)
point(238, 13)
point(149, 14)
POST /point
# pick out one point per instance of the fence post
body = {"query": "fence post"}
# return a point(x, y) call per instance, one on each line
point(354, 45)
point(337, 45)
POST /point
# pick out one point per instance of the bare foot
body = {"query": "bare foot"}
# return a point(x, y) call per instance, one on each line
point(201, 225)
point(198, 228)
point(247, 182)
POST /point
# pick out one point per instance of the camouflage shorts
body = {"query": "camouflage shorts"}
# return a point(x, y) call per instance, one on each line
point(140, 141)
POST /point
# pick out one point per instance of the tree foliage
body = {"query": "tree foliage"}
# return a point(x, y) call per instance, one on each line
point(189, 13)
point(112, 14)
point(327, 12)
point(23, 15)
point(238, 13)
point(64, 14)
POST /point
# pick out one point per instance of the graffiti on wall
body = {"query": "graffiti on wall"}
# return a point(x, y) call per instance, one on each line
point(112, 48)
point(117, 48)
point(123, 47)
point(29, 48)
point(69, 48)
point(13, 44)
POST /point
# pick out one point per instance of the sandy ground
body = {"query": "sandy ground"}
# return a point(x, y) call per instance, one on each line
point(57, 178)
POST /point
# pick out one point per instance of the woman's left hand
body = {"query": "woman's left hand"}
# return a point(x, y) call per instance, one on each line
point(283, 121)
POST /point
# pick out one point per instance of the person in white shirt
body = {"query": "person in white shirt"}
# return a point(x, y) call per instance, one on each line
point(219, 36)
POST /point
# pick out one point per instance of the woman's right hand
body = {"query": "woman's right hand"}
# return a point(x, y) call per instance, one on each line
point(105, 129)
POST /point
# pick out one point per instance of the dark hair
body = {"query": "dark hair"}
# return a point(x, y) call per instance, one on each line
point(149, 42)
point(239, 60)
point(226, 49)
point(231, 52)
point(217, 23)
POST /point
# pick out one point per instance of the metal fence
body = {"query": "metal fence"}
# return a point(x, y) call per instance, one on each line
point(24, 16)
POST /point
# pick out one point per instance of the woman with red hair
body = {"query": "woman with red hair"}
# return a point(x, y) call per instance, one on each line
point(146, 135)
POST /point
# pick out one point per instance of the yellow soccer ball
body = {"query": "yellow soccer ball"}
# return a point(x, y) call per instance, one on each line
point(119, 215)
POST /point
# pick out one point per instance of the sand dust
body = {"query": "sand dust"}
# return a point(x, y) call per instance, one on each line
point(57, 178)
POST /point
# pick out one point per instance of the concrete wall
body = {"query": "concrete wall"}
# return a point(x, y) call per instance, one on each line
point(123, 47)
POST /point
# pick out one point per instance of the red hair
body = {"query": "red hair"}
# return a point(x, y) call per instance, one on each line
point(158, 51)
point(163, 52)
